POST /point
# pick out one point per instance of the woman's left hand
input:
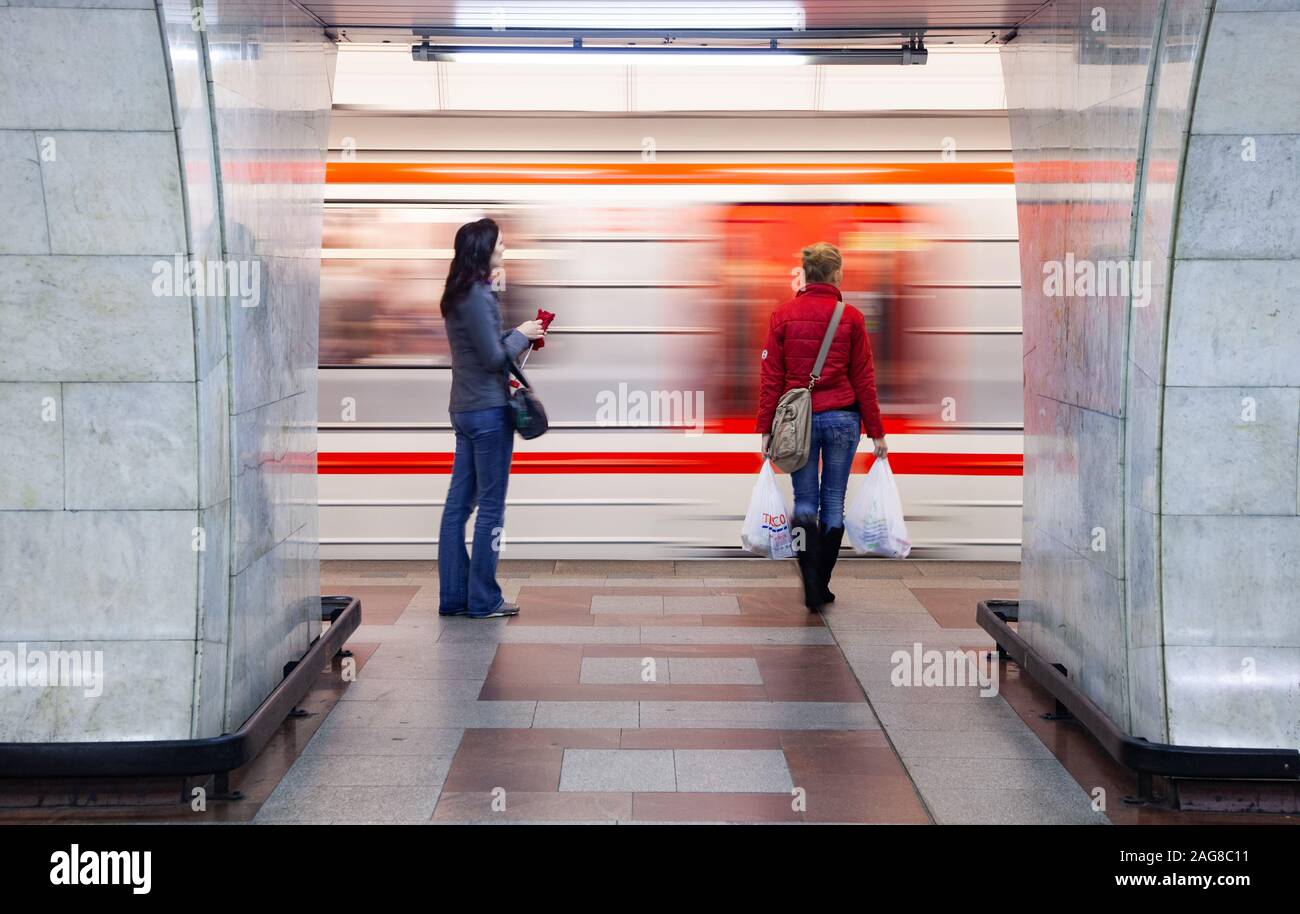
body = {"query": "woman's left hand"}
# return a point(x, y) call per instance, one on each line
point(532, 329)
point(882, 449)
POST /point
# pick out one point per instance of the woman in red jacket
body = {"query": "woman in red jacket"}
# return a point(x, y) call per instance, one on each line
point(843, 402)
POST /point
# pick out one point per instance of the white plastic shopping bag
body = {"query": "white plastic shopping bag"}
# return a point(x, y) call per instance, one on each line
point(767, 524)
point(874, 519)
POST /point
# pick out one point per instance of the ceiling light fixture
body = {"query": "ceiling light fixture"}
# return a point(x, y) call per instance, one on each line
point(912, 53)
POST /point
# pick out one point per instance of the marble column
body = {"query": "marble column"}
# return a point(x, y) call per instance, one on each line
point(1161, 415)
point(157, 506)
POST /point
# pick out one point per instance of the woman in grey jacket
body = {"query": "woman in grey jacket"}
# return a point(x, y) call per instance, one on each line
point(480, 355)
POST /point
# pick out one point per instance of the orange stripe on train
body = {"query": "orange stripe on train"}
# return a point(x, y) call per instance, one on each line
point(669, 173)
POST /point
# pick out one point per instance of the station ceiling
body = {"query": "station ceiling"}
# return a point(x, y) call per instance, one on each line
point(965, 21)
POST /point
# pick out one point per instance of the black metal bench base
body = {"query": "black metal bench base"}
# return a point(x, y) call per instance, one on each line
point(1145, 759)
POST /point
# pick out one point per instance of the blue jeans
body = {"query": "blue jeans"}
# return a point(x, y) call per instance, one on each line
point(485, 439)
point(835, 435)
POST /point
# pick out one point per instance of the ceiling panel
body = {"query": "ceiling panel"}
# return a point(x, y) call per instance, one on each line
point(938, 16)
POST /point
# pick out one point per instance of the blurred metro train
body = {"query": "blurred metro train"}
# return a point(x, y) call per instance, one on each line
point(663, 275)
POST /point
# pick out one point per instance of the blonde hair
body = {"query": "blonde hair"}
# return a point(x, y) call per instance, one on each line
point(821, 261)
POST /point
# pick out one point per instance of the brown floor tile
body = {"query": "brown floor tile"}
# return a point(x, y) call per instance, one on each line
point(768, 620)
point(713, 807)
point(535, 664)
point(382, 604)
point(624, 692)
point(954, 607)
point(615, 568)
point(509, 568)
point(357, 566)
point(533, 599)
point(667, 650)
point(811, 762)
point(873, 568)
point(518, 759)
point(811, 685)
point(736, 568)
point(700, 739)
point(806, 672)
point(865, 799)
point(833, 739)
point(527, 806)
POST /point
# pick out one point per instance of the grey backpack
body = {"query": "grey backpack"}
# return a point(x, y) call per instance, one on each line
point(791, 440)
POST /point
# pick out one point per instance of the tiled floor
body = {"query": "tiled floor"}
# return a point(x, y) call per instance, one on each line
point(685, 692)
point(631, 692)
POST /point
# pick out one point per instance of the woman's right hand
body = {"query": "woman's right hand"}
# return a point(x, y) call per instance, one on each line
point(532, 329)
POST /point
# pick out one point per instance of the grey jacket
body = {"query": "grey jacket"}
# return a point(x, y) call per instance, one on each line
point(480, 351)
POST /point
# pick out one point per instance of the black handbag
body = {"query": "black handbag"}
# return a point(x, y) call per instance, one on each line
point(529, 414)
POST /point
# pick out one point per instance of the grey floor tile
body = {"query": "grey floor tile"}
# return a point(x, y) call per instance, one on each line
point(625, 671)
point(765, 715)
point(411, 668)
point(994, 716)
point(586, 714)
point(936, 639)
point(367, 771)
point(910, 695)
point(708, 634)
point(715, 671)
point(434, 653)
point(649, 770)
point(999, 570)
point(429, 742)
point(459, 628)
point(416, 632)
point(955, 806)
point(330, 805)
point(873, 674)
point(991, 774)
point(720, 605)
point(627, 604)
point(369, 687)
point(919, 623)
point(732, 771)
point(969, 744)
point(452, 712)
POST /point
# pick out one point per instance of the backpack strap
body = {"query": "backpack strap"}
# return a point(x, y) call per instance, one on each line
point(826, 344)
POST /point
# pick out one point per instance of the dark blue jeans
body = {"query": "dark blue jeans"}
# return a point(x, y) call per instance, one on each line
point(835, 435)
point(485, 439)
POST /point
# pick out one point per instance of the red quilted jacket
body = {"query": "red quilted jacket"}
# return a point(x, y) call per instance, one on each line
point(793, 338)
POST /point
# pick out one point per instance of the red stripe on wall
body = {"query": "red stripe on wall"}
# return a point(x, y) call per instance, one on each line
point(654, 463)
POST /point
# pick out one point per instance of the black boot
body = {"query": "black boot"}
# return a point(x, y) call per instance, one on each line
point(810, 563)
point(831, 539)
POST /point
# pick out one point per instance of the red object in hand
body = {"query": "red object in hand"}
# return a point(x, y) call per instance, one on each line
point(545, 317)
